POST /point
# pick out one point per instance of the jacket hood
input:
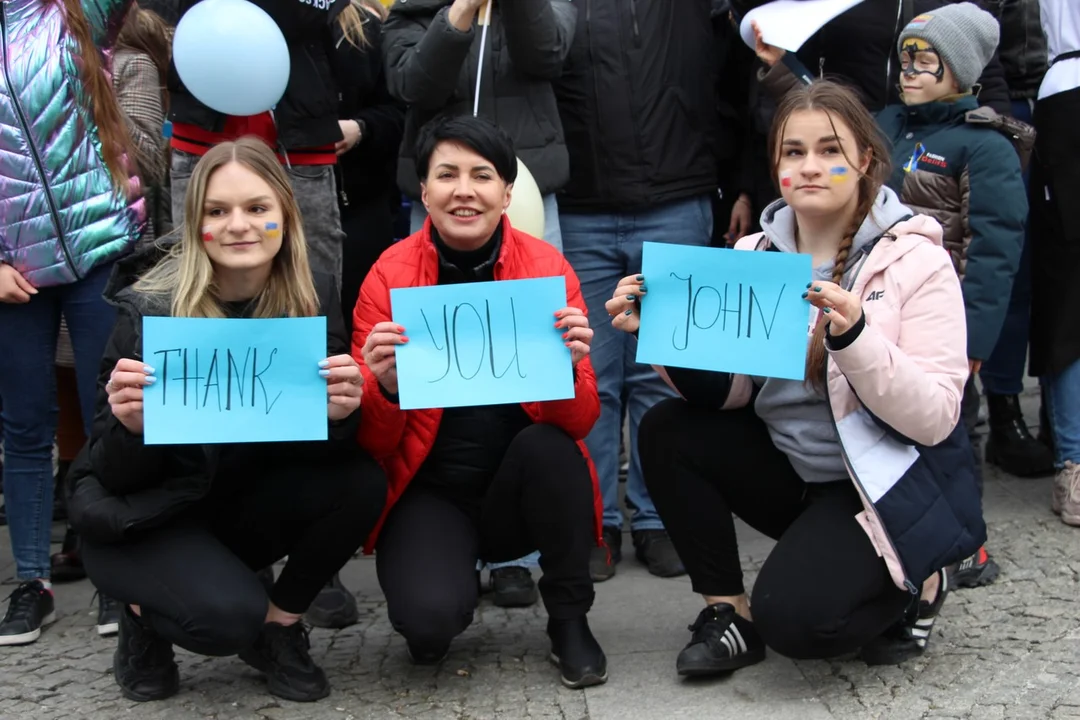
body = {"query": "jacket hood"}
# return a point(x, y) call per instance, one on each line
point(778, 221)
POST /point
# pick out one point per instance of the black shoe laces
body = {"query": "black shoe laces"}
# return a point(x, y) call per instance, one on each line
point(288, 646)
point(710, 626)
point(148, 653)
point(22, 602)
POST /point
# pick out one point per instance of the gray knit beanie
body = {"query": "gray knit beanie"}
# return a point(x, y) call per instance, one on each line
point(964, 35)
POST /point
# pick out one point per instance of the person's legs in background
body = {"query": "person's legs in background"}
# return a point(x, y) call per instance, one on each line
point(29, 390)
point(687, 222)
point(1063, 394)
point(979, 569)
point(315, 189)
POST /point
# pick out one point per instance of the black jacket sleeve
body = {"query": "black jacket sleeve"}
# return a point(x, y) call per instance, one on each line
point(538, 35)
point(338, 343)
point(423, 64)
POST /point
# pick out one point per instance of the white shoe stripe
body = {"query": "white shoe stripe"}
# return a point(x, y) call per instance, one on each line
point(920, 632)
point(738, 637)
point(727, 644)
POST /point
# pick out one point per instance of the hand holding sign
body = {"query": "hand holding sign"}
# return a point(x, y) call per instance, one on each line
point(768, 54)
point(624, 307)
point(343, 385)
point(380, 356)
point(578, 335)
point(125, 389)
point(842, 309)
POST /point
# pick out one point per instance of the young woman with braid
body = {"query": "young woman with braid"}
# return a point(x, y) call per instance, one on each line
point(861, 472)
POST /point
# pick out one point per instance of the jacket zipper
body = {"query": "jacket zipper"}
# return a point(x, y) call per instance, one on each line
point(600, 174)
point(851, 467)
point(49, 200)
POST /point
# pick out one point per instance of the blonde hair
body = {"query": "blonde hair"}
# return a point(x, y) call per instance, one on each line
point(351, 21)
point(186, 275)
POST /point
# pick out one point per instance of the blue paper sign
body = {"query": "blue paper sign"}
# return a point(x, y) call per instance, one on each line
point(234, 380)
point(485, 343)
point(725, 310)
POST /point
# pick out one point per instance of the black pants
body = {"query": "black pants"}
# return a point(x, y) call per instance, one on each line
point(969, 415)
point(541, 498)
point(823, 591)
point(194, 578)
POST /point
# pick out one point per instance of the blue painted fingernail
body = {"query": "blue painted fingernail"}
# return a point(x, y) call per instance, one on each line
point(630, 298)
point(817, 289)
point(324, 373)
point(805, 295)
point(150, 379)
point(324, 363)
point(629, 312)
point(828, 310)
point(641, 289)
point(808, 285)
point(640, 278)
point(148, 370)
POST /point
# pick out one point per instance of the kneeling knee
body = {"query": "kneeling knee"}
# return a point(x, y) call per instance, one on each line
point(432, 623)
point(795, 631)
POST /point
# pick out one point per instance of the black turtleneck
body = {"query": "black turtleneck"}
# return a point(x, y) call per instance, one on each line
point(471, 441)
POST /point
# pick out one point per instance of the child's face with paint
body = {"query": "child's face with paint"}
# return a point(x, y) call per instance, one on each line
point(924, 77)
point(815, 175)
point(242, 220)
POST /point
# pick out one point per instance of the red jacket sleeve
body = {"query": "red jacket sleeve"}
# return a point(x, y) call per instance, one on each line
point(578, 414)
point(382, 422)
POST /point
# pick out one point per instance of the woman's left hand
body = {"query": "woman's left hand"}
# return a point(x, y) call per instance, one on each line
point(350, 129)
point(842, 309)
point(578, 335)
point(344, 385)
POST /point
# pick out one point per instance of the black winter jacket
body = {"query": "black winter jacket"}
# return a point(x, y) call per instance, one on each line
point(638, 103)
point(307, 115)
point(368, 170)
point(431, 67)
point(871, 63)
point(117, 485)
point(1022, 47)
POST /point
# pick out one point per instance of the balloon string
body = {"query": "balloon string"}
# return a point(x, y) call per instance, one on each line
point(281, 145)
point(480, 61)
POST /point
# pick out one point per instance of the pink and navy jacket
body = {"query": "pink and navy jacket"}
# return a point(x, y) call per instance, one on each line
point(894, 393)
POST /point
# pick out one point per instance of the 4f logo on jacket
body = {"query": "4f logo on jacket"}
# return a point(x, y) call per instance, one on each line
point(876, 295)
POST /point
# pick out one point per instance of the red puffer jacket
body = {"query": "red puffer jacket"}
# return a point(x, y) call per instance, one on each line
point(401, 439)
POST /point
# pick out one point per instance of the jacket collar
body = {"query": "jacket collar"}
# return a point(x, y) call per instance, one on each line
point(430, 270)
point(944, 111)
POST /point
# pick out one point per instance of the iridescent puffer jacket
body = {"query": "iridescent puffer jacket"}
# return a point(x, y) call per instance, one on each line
point(59, 215)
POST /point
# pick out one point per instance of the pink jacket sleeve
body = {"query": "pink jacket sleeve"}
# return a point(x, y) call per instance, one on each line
point(915, 385)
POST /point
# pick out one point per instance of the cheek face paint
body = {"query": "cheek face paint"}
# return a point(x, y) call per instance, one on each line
point(785, 179)
point(207, 235)
point(838, 175)
point(272, 230)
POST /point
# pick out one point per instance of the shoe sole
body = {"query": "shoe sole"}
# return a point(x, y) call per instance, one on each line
point(722, 668)
point(32, 636)
point(587, 680)
point(1070, 519)
point(984, 577)
point(108, 629)
point(142, 697)
point(993, 459)
point(515, 598)
point(897, 657)
point(285, 692)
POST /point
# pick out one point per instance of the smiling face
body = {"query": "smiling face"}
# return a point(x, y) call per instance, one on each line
point(242, 221)
point(815, 174)
point(464, 196)
point(924, 77)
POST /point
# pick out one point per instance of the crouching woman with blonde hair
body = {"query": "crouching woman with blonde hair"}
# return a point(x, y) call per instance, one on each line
point(177, 532)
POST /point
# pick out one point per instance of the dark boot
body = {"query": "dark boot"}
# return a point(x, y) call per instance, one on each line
point(576, 652)
point(1046, 433)
point(144, 666)
point(282, 653)
point(1010, 445)
point(66, 565)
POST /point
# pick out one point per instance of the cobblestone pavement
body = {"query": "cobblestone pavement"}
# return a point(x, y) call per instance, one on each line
point(1008, 651)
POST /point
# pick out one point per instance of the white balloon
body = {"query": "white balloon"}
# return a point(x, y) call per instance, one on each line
point(526, 208)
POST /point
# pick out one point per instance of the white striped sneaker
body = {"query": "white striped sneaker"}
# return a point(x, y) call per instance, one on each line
point(909, 636)
point(722, 641)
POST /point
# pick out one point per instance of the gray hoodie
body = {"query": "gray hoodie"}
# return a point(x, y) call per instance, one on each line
point(797, 415)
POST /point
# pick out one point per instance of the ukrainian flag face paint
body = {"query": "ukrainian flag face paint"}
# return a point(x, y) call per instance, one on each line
point(272, 230)
point(838, 175)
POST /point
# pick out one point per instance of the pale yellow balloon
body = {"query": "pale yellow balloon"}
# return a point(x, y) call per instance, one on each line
point(526, 209)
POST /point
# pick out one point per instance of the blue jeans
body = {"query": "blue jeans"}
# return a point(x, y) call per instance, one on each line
point(552, 229)
point(603, 249)
point(1003, 371)
point(28, 386)
point(1063, 400)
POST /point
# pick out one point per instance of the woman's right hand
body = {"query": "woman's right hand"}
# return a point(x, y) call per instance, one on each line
point(624, 307)
point(14, 288)
point(768, 54)
point(125, 389)
point(379, 353)
point(463, 12)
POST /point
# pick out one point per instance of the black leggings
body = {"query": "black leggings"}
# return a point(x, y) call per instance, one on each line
point(823, 591)
point(194, 578)
point(541, 498)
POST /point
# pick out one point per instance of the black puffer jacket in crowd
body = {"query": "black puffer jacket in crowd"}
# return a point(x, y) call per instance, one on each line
point(118, 485)
point(859, 47)
point(307, 116)
point(1022, 47)
point(431, 66)
point(638, 104)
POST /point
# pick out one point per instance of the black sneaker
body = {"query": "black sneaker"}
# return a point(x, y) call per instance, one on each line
point(30, 607)
point(654, 550)
point(108, 617)
point(513, 586)
point(908, 637)
point(143, 665)
point(66, 565)
point(603, 559)
point(723, 641)
point(975, 571)
point(281, 653)
point(574, 649)
point(334, 607)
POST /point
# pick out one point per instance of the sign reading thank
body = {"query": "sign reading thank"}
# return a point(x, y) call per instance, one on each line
point(724, 310)
point(234, 380)
point(484, 343)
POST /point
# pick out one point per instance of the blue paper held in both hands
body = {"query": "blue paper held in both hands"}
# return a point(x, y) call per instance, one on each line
point(724, 310)
point(484, 343)
point(234, 380)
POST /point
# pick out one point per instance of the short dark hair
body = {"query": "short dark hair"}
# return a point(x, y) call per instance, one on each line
point(480, 135)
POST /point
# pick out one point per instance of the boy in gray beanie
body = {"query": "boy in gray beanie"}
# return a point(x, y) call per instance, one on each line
point(944, 52)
